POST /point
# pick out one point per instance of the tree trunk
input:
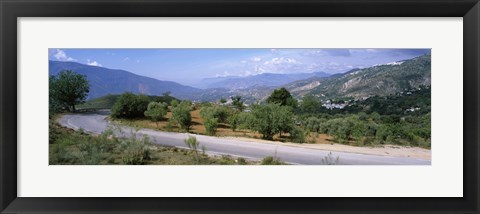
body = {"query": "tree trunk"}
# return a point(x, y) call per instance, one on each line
point(73, 108)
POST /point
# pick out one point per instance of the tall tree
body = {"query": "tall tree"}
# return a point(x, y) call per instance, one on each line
point(271, 119)
point(69, 89)
point(310, 104)
point(283, 97)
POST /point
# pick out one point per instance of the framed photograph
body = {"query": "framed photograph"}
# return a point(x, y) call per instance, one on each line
point(239, 106)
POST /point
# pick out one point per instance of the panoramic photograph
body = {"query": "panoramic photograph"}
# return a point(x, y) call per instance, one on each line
point(239, 106)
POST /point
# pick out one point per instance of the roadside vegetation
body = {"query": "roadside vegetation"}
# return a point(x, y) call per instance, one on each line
point(68, 147)
point(401, 119)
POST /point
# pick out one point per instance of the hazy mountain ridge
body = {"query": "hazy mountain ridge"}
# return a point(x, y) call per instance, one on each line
point(105, 81)
point(249, 95)
point(262, 80)
point(379, 80)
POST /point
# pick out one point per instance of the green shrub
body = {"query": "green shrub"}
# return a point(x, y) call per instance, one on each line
point(226, 160)
point(156, 111)
point(222, 113)
point(192, 144)
point(211, 125)
point(330, 160)
point(209, 120)
point(271, 119)
point(135, 151)
point(340, 129)
point(234, 121)
point(174, 103)
point(181, 115)
point(298, 135)
point(59, 153)
point(241, 161)
point(239, 120)
point(129, 106)
point(269, 160)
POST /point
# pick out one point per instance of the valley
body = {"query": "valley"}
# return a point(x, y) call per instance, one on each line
point(371, 115)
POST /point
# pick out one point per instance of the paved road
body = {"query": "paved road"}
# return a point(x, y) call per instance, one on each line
point(97, 123)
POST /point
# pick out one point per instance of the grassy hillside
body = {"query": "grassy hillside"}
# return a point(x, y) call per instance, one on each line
point(378, 80)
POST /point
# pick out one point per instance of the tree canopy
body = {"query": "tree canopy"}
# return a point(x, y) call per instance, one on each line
point(283, 97)
point(209, 120)
point(181, 115)
point(156, 111)
point(129, 105)
point(271, 119)
point(68, 89)
point(310, 104)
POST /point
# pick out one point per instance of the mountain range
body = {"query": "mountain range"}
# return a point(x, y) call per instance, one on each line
point(378, 80)
point(357, 83)
point(105, 81)
point(264, 79)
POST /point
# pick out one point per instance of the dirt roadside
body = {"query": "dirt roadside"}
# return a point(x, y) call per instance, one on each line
point(385, 150)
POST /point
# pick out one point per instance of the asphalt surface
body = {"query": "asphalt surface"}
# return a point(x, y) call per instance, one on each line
point(96, 123)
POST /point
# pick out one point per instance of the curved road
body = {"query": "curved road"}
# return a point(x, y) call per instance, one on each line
point(97, 123)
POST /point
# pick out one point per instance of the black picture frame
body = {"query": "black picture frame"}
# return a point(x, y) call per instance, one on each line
point(10, 10)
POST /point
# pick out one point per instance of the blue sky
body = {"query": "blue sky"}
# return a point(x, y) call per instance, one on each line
point(191, 65)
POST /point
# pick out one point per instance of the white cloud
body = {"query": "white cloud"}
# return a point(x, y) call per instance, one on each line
point(328, 52)
point(93, 63)
point(294, 61)
point(281, 60)
point(126, 59)
point(274, 65)
point(60, 55)
point(225, 74)
point(247, 73)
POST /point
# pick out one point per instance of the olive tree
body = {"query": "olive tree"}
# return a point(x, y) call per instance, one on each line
point(271, 119)
point(181, 115)
point(209, 120)
point(156, 111)
point(310, 104)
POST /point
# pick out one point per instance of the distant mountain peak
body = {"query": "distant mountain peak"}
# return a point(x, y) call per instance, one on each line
point(380, 80)
point(264, 79)
point(105, 81)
